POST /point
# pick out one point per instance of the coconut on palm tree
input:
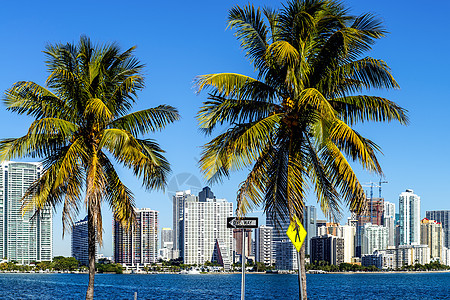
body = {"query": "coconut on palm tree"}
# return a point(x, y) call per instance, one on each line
point(83, 127)
point(292, 125)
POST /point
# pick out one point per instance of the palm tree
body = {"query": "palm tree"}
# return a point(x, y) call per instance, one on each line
point(81, 125)
point(291, 126)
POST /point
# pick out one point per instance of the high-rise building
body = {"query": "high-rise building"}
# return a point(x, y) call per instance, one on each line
point(353, 220)
point(264, 245)
point(389, 221)
point(327, 248)
point(412, 254)
point(137, 246)
point(167, 238)
point(409, 209)
point(309, 223)
point(205, 233)
point(348, 234)
point(373, 214)
point(284, 253)
point(443, 217)
point(23, 237)
point(178, 214)
point(80, 242)
point(431, 235)
point(375, 237)
point(330, 228)
point(237, 240)
point(205, 193)
point(320, 223)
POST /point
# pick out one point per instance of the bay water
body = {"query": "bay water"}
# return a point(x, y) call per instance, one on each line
point(227, 286)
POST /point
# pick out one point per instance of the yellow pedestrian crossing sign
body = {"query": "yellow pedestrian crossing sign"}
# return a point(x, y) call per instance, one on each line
point(296, 233)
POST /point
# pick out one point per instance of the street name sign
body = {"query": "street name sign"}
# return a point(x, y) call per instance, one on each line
point(235, 222)
point(296, 234)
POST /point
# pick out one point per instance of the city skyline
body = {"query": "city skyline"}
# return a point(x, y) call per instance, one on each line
point(404, 167)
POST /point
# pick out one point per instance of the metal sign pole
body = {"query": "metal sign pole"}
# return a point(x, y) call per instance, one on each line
point(300, 287)
point(243, 265)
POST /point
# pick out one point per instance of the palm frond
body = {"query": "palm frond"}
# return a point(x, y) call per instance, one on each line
point(26, 97)
point(356, 146)
point(118, 196)
point(343, 177)
point(148, 120)
point(226, 84)
point(220, 110)
point(238, 147)
point(251, 31)
point(360, 108)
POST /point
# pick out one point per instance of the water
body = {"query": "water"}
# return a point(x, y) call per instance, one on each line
point(258, 286)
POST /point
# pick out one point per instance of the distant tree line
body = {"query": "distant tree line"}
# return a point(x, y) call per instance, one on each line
point(346, 267)
point(59, 263)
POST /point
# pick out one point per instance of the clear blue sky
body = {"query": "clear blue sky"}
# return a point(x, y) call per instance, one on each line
point(178, 40)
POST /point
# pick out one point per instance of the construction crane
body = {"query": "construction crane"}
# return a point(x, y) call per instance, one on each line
point(379, 187)
point(372, 185)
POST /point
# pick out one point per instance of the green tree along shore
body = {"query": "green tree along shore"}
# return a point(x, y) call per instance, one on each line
point(60, 264)
point(345, 267)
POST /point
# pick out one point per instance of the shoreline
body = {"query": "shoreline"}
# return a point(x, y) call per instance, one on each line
point(384, 272)
point(238, 273)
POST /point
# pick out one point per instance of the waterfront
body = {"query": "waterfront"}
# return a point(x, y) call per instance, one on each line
point(227, 286)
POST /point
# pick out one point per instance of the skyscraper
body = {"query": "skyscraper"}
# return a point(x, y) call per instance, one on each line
point(167, 238)
point(309, 223)
point(137, 246)
point(79, 245)
point(205, 233)
point(443, 217)
point(284, 253)
point(409, 210)
point(389, 221)
point(348, 234)
point(327, 248)
point(178, 214)
point(431, 235)
point(22, 237)
point(264, 245)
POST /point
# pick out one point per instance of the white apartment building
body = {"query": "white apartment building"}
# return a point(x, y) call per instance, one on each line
point(264, 245)
point(205, 232)
point(412, 254)
point(178, 214)
point(445, 259)
point(22, 238)
point(389, 221)
point(409, 210)
point(348, 234)
point(374, 237)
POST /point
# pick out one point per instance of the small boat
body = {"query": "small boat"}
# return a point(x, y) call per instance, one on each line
point(193, 272)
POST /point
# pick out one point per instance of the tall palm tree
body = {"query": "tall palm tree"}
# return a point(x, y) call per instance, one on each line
point(81, 125)
point(291, 126)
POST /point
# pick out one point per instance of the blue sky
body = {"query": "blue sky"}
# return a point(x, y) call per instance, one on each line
point(178, 40)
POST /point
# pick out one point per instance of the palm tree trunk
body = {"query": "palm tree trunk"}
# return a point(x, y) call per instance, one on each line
point(303, 269)
point(91, 252)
